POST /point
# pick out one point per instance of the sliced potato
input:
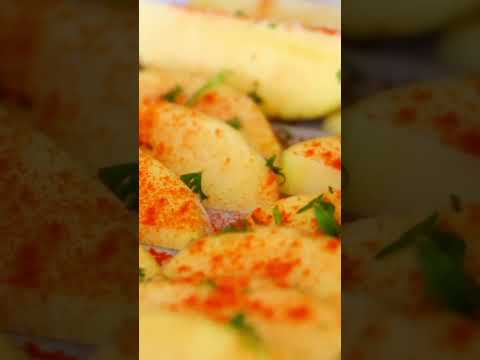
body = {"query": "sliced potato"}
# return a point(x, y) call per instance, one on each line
point(333, 123)
point(234, 176)
point(284, 321)
point(222, 102)
point(413, 147)
point(312, 166)
point(378, 18)
point(260, 57)
point(286, 256)
point(147, 265)
point(305, 12)
point(286, 212)
point(166, 332)
point(460, 46)
point(171, 215)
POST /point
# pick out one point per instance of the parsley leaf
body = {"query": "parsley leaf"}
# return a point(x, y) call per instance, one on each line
point(270, 162)
point(277, 215)
point(141, 274)
point(194, 182)
point(239, 323)
point(325, 214)
point(235, 123)
point(210, 84)
point(419, 231)
point(173, 94)
point(122, 180)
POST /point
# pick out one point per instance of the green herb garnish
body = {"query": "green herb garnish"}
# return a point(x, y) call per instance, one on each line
point(325, 215)
point(238, 227)
point(420, 231)
point(141, 274)
point(209, 85)
point(240, 13)
point(339, 75)
point(194, 182)
point(240, 324)
point(270, 162)
point(122, 180)
point(173, 94)
point(255, 97)
point(235, 123)
point(277, 215)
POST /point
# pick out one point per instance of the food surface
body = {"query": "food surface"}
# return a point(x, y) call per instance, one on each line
point(264, 281)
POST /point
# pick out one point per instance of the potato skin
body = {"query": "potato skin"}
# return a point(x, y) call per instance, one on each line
point(259, 57)
point(312, 166)
point(222, 102)
point(234, 176)
point(170, 215)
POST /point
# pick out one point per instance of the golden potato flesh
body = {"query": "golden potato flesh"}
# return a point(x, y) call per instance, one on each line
point(286, 256)
point(333, 123)
point(233, 175)
point(259, 57)
point(171, 215)
point(221, 102)
point(312, 166)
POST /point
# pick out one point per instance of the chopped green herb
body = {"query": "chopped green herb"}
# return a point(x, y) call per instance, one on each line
point(240, 13)
point(456, 203)
point(173, 94)
point(255, 97)
point(277, 216)
point(270, 162)
point(325, 214)
point(330, 190)
point(122, 180)
point(239, 323)
point(210, 84)
point(235, 123)
point(209, 283)
point(141, 273)
point(420, 231)
point(194, 182)
point(272, 26)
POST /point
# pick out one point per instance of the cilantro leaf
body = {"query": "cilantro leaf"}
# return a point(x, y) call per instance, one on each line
point(194, 182)
point(277, 215)
point(209, 85)
point(270, 162)
point(122, 180)
point(173, 94)
point(235, 123)
point(325, 215)
point(420, 231)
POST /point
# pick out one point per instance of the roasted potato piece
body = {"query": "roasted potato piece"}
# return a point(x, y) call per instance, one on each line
point(460, 46)
point(206, 339)
point(305, 12)
point(221, 102)
point(287, 212)
point(378, 18)
point(233, 175)
point(259, 57)
point(312, 166)
point(391, 138)
point(171, 215)
point(273, 314)
point(333, 123)
point(283, 255)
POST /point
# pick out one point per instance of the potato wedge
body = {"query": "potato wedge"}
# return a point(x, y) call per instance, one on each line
point(305, 12)
point(286, 256)
point(170, 215)
point(233, 175)
point(439, 122)
point(222, 102)
point(459, 46)
point(260, 57)
point(206, 339)
point(286, 212)
point(283, 321)
point(333, 123)
point(381, 19)
point(312, 166)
